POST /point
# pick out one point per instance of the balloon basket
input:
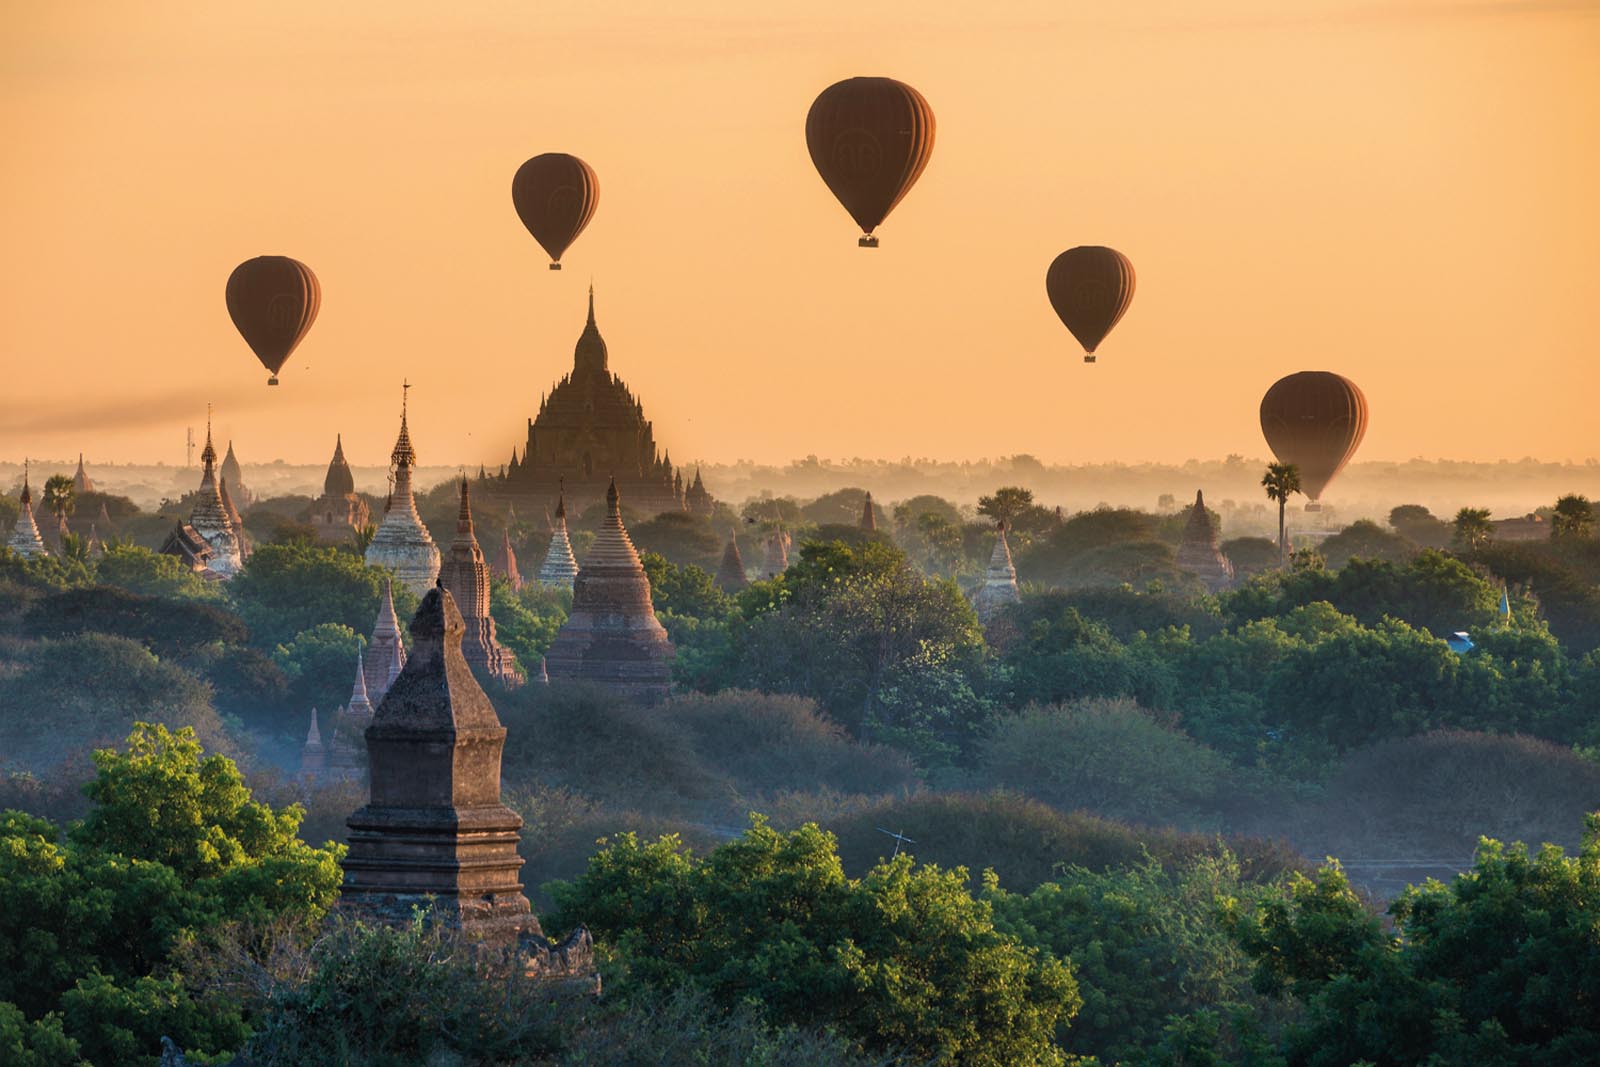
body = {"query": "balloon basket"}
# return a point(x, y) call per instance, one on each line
point(272, 380)
point(555, 266)
point(1089, 358)
point(867, 241)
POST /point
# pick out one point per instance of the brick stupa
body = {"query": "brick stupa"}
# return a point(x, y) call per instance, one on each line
point(465, 573)
point(435, 835)
point(1199, 554)
point(613, 637)
point(340, 510)
point(384, 647)
point(730, 576)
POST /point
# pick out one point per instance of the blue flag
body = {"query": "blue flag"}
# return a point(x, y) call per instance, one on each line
point(1505, 604)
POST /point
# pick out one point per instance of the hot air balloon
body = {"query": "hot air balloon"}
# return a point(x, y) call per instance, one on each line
point(1090, 287)
point(555, 196)
point(1314, 419)
point(273, 301)
point(870, 139)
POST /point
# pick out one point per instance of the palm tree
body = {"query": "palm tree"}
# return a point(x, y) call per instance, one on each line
point(58, 495)
point(1473, 528)
point(1281, 481)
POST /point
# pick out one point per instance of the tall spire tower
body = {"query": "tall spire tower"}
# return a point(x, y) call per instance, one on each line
point(384, 645)
point(402, 543)
point(465, 574)
point(559, 569)
point(210, 518)
point(999, 586)
point(25, 540)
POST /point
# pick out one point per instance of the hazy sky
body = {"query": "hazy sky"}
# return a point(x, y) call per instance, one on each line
point(1404, 192)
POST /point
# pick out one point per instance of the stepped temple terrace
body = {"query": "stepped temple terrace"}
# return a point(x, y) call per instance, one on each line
point(590, 430)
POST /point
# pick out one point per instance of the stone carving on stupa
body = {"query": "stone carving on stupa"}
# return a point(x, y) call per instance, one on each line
point(730, 575)
point(210, 519)
point(384, 647)
point(559, 569)
point(402, 542)
point(589, 430)
point(235, 476)
point(81, 482)
point(999, 586)
point(25, 540)
point(775, 553)
point(313, 756)
point(1199, 553)
point(434, 835)
point(340, 510)
point(349, 756)
point(465, 573)
point(613, 637)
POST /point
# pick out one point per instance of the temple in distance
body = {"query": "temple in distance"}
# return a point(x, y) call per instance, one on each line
point(589, 431)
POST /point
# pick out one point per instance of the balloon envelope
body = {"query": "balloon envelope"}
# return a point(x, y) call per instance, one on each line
point(555, 196)
point(273, 300)
point(870, 139)
point(1090, 287)
point(1314, 419)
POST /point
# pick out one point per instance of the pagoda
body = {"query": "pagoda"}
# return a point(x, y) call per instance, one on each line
point(613, 637)
point(504, 562)
point(233, 517)
point(402, 542)
point(1199, 553)
point(81, 482)
point(210, 519)
point(696, 499)
point(340, 510)
point(313, 756)
point(589, 430)
point(465, 574)
point(775, 553)
point(25, 540)
point(869, 521)
point(384, 649)
point(559, 569)
point(999, 587)
point(434, 835)
point(349, 757)
point(730, 575)
point(235, 477)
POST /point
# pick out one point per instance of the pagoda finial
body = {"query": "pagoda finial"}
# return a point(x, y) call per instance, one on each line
point(208, 455)
point(464, 517)
point(27, 497)
point(591, 301)
point(561, 498)
point(613, 501)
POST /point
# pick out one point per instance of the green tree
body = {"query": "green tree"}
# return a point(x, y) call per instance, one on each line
point(1146, 944)
point(91, 923)
point(58, 495)
point(286, 588)
point(1365, 539)
point(1473, 529)
point(527, 620)
point(1006, 504)
point(139, 570)
point(901, 959)
point(1281, 481)
point(320, 666)
point(1497, 967)
point(846, 625)
point(1572, 518)
point(679, 537)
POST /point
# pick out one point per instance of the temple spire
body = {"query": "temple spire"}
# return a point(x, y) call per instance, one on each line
point(869, 521)
point(402, 542)
point(464, 573)
point(25, 539)
point(999, 586)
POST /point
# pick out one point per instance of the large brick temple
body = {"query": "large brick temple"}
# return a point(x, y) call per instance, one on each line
point(588, 431)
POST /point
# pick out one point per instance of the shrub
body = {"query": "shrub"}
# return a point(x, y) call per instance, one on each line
point(767, 743)
point(1109, 756)
point(1435, 794)
point(1026, 842)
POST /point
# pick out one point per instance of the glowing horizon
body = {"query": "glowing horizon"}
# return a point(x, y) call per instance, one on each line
point(1403, 195)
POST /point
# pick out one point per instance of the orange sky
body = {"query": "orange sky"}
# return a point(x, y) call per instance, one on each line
point(1404, 192)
